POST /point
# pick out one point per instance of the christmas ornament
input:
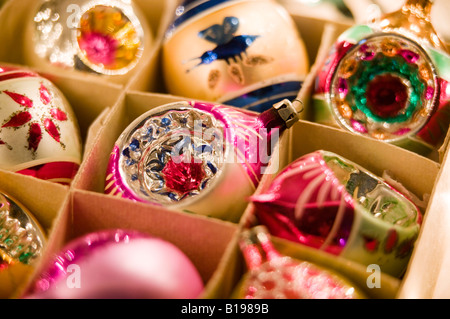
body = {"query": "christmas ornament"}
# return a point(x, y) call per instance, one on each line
point(118, 264)
point(196, 157)
point(271, 275)
point(233, 52)
point(327, 202)
point(22, 240)
point(39, 133)
point(97, 36)
point(388, 81)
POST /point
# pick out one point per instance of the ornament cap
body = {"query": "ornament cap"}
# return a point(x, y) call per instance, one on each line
point(288, 112)
point(414, 17)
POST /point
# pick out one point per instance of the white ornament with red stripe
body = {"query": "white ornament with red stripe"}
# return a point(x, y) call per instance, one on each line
point(39, 133)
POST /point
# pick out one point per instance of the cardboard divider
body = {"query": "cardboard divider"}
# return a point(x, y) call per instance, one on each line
point(88, 99)
point(313, 29)
point(12, 17)
point(351, 271)
point(86, 212)
point(427, 275)
point(104, 109)
point(43, 200)
point(129, 107)
point(377, 157)
point(159, 14)
point(405, 166)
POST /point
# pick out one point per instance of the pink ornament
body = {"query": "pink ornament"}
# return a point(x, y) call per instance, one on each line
point(197, 157)
point(272, 275)
point(118, 264)
point(327, 202)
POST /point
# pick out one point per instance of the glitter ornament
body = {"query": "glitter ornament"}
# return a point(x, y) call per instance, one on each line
point(326, 202)
point(388, 81)
point(22, 240)
point(39, 133)
point(271, 275)
point(118, 264)
point(101, 37)
point(196, 157)
point(233, 52)
point(21, 237)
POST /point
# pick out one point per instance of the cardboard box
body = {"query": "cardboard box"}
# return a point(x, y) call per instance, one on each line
point(104, 109)
point(85, 212)
point(426, 265)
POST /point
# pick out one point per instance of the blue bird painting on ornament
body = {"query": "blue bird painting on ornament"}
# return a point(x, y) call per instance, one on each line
point(230, 48)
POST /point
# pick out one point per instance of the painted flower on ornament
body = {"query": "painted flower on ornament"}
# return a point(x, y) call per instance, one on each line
point(39, 119)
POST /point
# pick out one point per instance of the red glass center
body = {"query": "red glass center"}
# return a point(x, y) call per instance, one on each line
point(387, 96)
point(183, 175)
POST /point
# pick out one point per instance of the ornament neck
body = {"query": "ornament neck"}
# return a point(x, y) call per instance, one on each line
point(257, 247)
point(419, 8)
point(414, 20)
point(250, 250)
